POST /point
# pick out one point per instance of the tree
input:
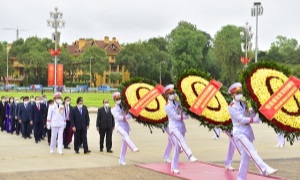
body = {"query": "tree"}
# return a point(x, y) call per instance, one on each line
point(98, 59)
point(34, 55)
point(143, 59)
point(71, 64)
point(227, 48)
point(186, 45)
point(285, 50)
point(114, 77)
point(3, 58)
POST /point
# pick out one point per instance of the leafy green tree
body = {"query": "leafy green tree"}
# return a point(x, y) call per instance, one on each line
point(71, 64)
point(3, 58)
point(143, 59)
point(98, 59)
point(34, 54)
point(212, 64)
point(186, 47)
point(227, 48)
point(114, 77)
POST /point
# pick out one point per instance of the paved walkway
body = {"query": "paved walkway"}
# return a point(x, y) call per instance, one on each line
point(17, 154)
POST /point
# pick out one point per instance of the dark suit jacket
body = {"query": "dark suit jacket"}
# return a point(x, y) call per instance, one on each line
point(13, 111)
point(38, 115)
point(105, 120)
point(25, 113)
point(80, 121)
point(2, 111)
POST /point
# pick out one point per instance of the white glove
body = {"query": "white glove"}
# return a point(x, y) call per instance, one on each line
point(48, 125)
point(256, 118)
point(251, 110)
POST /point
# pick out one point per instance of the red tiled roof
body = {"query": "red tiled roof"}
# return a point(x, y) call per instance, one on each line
point(110, 48)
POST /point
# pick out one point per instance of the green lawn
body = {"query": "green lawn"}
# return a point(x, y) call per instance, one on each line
point(90, 99)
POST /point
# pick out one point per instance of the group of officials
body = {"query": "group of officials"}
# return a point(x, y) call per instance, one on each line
point(63, 120)
point(55, 120)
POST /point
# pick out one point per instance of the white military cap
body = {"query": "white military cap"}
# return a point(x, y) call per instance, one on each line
point(115, 95)
point(57, 95)
point(169, 88)
point(235, 87)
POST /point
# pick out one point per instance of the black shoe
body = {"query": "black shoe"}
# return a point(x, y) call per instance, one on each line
point(101, 150)
point(109, 151)
point(77, 152)
point(36, 141)
point(66, 147)
point(87, 151)
point(29, 137)
point(43, 139)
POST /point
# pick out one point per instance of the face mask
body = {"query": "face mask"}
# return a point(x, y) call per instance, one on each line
point(67, 102)
point(171, 97)
point(16, 101)
point(79, 106)
point(106, 105)
point(118, 102)
point(38, 102)
point(3, 101)
point(11, 101)
point(32, 100)
point(25, 102)
point(238, 97)
point(58, 101)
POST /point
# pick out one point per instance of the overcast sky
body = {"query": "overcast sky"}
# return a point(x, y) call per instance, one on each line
point(133, 20)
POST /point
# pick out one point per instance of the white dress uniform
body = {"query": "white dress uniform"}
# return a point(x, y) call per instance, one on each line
point(230, 152)
point(123, 128)
point(280, 140)
point(243, 136)
point(57, 117)
point(177, 130)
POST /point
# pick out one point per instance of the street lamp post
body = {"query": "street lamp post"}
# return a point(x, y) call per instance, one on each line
point(7, 50)
point(256, 11)
point(90, 71)
point(246, 35)
point(55, 22)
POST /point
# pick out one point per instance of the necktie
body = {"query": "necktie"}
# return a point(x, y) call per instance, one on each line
point(80, 111)
point(106, 110)
point(241, 104)
point(38, 107)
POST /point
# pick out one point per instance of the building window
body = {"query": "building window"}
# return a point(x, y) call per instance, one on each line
point(21, 71)
point(113, 68)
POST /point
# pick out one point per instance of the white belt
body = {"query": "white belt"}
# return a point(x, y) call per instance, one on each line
point(236, 124)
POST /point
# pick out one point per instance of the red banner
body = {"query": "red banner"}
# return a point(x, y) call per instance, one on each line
point(205, 96)
point(50, 74)
point(145, 100)
point(59, 75)
point(280, 97)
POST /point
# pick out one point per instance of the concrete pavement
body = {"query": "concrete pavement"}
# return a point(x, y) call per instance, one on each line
point(17, 154)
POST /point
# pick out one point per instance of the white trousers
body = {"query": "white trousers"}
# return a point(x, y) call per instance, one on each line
point(280, 139)
point(56, 133)
point(169, 145)
point(178, 139)
point(231, 148)
point(248, 151)
point(126, 141)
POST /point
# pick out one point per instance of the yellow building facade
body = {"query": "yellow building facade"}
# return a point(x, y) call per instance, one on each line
point(112, 48)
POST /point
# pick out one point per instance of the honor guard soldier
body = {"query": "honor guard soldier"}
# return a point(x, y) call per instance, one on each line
point(242, 117)
point(176, 128)
point(121, 116)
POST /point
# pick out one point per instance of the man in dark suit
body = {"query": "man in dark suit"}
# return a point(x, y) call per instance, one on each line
point(18, 123)
point(38, 110)
point(105, 125)
point(13, 115)
point(80, 121)
point(2, 113)
point(67, 129)
point(25, 116)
